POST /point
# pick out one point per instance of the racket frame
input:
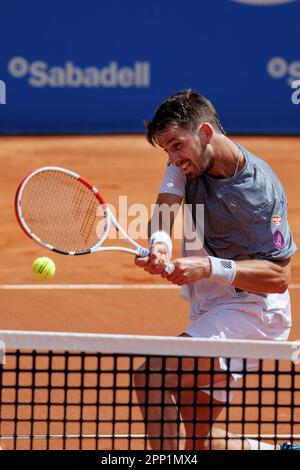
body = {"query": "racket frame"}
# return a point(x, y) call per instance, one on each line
point(109, 218)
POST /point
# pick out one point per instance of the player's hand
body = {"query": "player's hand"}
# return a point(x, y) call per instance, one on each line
point(157, 261)
point(188, 270)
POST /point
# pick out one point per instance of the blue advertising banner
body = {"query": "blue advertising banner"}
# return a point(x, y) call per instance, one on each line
point(103, 67)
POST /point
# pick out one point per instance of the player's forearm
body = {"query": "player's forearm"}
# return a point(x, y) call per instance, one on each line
point(157, 222)
point(261, 276)
point(164, 213)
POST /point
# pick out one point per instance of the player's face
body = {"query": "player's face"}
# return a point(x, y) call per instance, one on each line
point(185, 150)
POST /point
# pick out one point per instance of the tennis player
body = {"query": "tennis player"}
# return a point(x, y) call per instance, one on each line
point(237, 282)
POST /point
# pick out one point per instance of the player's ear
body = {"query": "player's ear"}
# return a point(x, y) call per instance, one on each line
point(205, 132)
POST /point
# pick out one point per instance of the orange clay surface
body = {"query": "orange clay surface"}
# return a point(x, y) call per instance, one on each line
point(117, 165)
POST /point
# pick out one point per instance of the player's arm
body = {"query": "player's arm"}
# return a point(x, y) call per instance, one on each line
point(165, 211)
point(260, 276)
point(263, 276)
point(268, 271)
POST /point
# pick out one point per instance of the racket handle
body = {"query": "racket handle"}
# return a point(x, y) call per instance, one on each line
point(143, 252)
point(170, 268)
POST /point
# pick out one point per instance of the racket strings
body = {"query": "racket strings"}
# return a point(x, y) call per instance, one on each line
point(61, 211)
point(88, 222)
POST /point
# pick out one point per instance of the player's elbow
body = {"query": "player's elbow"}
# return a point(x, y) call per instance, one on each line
point(282, 276)
point(282, 283)
point(282, 288)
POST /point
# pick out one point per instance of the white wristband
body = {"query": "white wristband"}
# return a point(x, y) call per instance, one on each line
point(223, 271)
point(162, 237)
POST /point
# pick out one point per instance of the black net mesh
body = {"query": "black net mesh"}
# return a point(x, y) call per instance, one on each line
point(71, 400)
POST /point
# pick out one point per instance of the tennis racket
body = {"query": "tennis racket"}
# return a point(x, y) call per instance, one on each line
point(65, 213)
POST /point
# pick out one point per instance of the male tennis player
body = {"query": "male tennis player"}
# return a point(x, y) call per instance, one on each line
point(237, 282)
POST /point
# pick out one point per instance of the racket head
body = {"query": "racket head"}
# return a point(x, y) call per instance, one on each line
point(61, 211)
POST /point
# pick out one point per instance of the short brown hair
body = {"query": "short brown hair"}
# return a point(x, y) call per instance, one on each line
point(188, 109)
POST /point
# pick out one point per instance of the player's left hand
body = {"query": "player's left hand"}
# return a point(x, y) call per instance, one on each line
point(188, 270)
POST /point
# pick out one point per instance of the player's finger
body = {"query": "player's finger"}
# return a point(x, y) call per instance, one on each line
point(174, 276)
point(158, 254)
point(154, 258)
point(142, 262)
point(164, 273)
point(157, 269)
point(178, 281)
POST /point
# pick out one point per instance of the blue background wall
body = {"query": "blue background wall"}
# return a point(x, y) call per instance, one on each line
point(242, 57)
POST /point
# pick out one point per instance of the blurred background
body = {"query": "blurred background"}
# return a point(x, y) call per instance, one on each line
point(99, 67)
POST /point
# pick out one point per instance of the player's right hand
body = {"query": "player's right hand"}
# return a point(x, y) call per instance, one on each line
point(157, 261)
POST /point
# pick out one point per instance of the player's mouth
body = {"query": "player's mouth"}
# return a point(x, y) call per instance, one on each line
point(185, 165)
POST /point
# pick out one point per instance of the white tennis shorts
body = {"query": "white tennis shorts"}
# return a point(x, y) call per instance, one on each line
point(268, 320)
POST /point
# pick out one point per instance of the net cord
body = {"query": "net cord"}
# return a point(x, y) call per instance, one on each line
point(156, 345)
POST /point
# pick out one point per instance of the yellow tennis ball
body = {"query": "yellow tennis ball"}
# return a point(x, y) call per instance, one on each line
point(43, 268)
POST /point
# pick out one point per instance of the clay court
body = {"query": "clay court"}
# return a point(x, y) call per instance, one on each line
point(106, 293)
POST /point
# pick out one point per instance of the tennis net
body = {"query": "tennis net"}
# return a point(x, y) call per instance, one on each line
point(123, 392)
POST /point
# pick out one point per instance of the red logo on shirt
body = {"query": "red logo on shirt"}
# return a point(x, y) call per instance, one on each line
point(276, 219)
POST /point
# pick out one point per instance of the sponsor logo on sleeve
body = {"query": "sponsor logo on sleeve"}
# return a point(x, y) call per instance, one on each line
point(278, 240)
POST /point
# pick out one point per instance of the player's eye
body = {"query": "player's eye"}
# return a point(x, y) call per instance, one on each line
point(177, 146)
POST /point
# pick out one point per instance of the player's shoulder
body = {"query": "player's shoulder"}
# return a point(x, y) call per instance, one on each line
point(263, 176)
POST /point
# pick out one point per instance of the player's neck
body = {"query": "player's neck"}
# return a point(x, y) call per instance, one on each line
point(228, 159)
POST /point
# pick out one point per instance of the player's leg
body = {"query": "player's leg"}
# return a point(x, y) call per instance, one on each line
point(198, 415)
point(157, 406)
point(236, 322)
point(157, 382)
point(198, 412)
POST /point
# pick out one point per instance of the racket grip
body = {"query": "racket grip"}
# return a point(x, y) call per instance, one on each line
point(144, 252)
point(170, 268)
